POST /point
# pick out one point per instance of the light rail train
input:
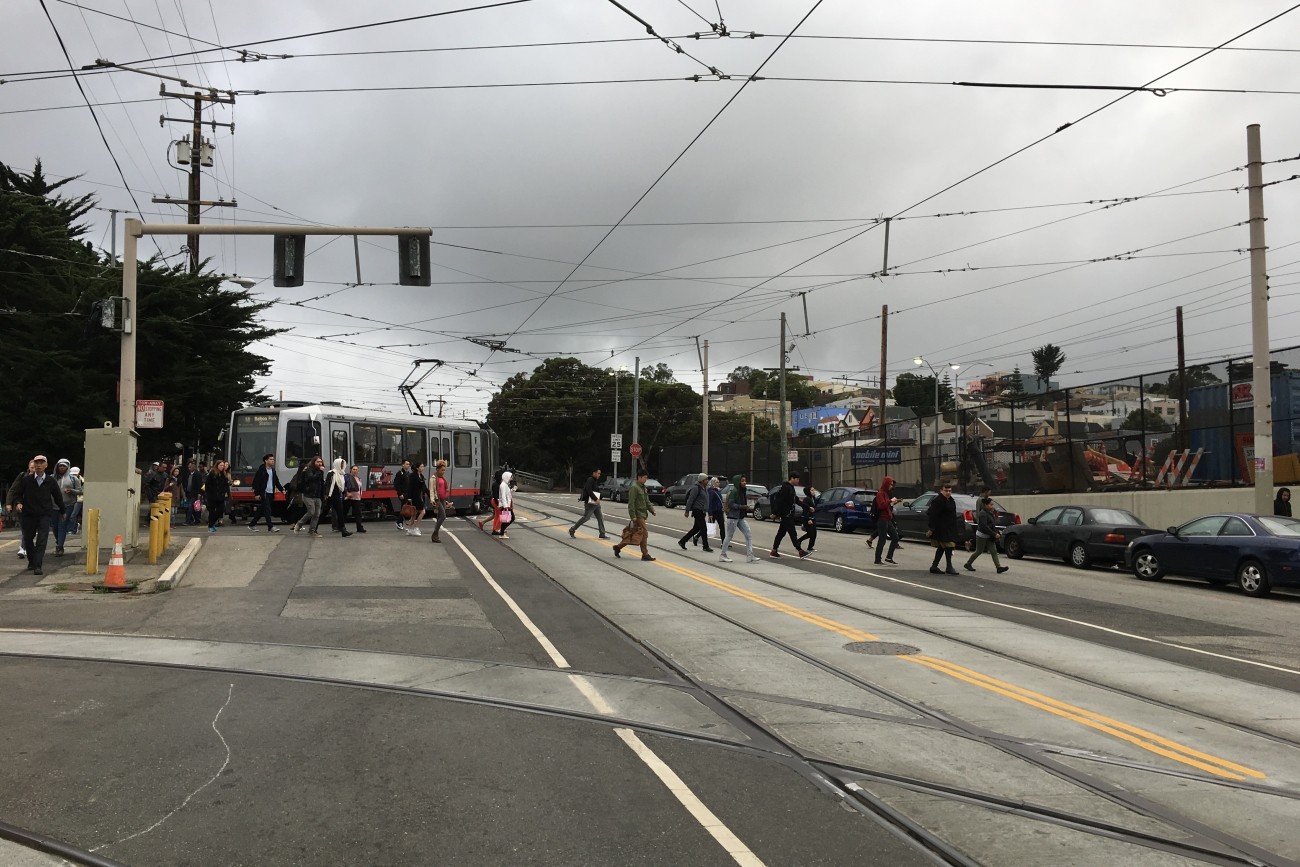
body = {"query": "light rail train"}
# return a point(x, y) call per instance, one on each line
point(376, 441)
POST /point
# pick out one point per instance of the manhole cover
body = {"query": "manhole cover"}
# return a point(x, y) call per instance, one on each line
point(881, 648)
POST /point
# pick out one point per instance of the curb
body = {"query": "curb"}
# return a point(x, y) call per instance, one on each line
point(173, 574)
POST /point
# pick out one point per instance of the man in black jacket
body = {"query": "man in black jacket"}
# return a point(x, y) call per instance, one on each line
point(37, 502)
point(783, 503)
point(696, 506)
point(265, 484)
point(591, 501)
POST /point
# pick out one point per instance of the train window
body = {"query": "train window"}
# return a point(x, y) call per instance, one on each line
point(254, 436)
point(446, 449)
point(390, 446)
point(464, 450)
point(367, 436)
point(415, 446)
point(299, 443)
point(339, 449)
point(434, 443)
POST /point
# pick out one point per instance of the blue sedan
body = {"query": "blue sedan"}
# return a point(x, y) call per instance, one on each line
point(1259, 552)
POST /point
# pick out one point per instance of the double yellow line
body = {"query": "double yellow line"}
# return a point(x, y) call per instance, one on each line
point(1139, 737)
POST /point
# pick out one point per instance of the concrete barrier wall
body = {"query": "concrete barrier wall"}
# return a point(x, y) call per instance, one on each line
point(1157, 508)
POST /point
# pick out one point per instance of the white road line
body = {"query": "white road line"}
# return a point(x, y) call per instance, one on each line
point(1069, 620)
point(551, 649)
point(739, 852)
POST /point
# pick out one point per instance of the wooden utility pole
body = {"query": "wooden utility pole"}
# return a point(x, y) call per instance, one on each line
point(199, 153)
point(1182, 383)
point(884, 360)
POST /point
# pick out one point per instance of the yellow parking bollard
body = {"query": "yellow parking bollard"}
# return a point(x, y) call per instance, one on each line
point(92, 541)
point(160, 520)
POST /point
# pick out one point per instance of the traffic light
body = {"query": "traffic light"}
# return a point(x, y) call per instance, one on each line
point(413, 260)
point(289, 250)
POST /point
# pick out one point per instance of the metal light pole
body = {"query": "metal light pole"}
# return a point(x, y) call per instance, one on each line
point(918, 361)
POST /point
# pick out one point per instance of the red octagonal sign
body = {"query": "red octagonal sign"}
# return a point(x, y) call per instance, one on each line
point(635, 450)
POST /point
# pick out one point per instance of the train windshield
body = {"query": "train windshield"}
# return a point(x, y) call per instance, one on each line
point(254, 435)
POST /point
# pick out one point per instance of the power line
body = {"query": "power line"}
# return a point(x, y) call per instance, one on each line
point(664, 173)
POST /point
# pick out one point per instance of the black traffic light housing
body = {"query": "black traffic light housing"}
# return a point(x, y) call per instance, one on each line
point(289, 252)
point(413, 260)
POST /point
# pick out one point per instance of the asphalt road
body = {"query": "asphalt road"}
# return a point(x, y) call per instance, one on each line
point(382, 700)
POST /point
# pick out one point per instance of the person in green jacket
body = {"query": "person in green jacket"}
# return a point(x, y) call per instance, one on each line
point(638, 509)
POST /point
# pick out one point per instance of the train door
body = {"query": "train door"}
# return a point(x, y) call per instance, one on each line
point(339, 444)
point(464, 474)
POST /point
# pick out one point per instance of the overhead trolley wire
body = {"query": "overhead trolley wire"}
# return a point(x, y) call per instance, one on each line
point(664, 173)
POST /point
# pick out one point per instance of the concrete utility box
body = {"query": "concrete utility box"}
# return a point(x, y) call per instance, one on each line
point(113, 483)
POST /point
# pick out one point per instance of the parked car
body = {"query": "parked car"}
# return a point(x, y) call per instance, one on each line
point(753, 493)
point(610, 484)
point(675, 494)
point(763, 508)
point(1259, 552)
point(654, 491)
point(913, 522)
point(845, 509)
point(1081, 535)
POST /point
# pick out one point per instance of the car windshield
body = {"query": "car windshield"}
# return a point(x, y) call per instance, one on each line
point(1281, 526)
point(1117, 517)
point(254, 436)
point(652, 483)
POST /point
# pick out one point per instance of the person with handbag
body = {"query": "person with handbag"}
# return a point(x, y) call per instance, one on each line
point(505, 504)
point(311, 487)
point(717, 515)
point(638, 510)
point(335, 484)
point(417, 497)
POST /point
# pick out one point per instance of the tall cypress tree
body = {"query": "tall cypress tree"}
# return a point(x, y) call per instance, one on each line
point(58, 374)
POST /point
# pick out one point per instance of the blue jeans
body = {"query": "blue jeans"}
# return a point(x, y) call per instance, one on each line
point(62, 525)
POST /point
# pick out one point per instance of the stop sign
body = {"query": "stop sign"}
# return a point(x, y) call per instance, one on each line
point(635, 450)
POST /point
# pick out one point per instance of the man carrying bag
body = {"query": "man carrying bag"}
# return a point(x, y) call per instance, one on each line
point(638, 509)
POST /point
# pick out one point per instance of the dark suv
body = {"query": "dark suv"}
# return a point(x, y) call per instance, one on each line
point(675, 494)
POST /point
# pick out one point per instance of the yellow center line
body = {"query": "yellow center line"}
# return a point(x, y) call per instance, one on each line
point(1131, 734)
point(5, 546)
point(1134, 735)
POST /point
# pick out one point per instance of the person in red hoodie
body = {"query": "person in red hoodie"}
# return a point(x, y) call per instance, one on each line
point(886, 529)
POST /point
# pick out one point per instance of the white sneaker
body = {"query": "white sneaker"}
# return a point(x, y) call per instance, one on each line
point(416, 532)
point(406, 530)
point(752, 560)
point(724, 559)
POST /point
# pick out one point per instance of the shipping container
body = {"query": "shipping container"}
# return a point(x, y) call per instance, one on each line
point(1221, 420)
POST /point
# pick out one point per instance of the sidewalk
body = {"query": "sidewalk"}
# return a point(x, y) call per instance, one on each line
point(67, 574)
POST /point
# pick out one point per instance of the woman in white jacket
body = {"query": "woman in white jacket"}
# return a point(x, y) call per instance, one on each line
point(505, 501)
point(334, 496)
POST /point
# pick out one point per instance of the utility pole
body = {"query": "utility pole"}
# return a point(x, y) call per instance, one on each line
point(1182, 382)
point(751, 445)
point(781, 440)
point(197, 152)
point(636, 407)
point(704, 412)
point(1261, 386)
point(884, 356)
point(112, 234)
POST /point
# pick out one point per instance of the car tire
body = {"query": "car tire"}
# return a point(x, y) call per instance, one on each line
point(1078, 556)
point(1146, 565)
point(840, 526)
point(758, 513)
point(1252, 578)
point(1015, 550)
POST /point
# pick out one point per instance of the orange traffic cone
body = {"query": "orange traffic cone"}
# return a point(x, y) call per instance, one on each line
point(115, 577)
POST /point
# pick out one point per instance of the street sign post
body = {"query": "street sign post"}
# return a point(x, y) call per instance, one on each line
point(614, 455)
point(635, 449)
point(616, 442)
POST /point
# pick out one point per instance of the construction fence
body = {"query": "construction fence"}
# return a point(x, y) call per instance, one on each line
point(1121, 434)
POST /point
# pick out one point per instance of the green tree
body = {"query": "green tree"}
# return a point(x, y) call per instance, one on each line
point(1197, 375)
point(658, 373)
point(917, 392)
point(1015, 389)
point(192, 335)
point(1145, 419)
point(1048, 359)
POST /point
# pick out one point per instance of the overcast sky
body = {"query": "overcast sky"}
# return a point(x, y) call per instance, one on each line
point(749, 214)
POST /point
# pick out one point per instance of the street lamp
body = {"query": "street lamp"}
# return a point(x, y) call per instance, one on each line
point(921, 360)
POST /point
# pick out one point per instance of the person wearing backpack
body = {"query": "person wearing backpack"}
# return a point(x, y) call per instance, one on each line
point(696, 506)
point(783, 501)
